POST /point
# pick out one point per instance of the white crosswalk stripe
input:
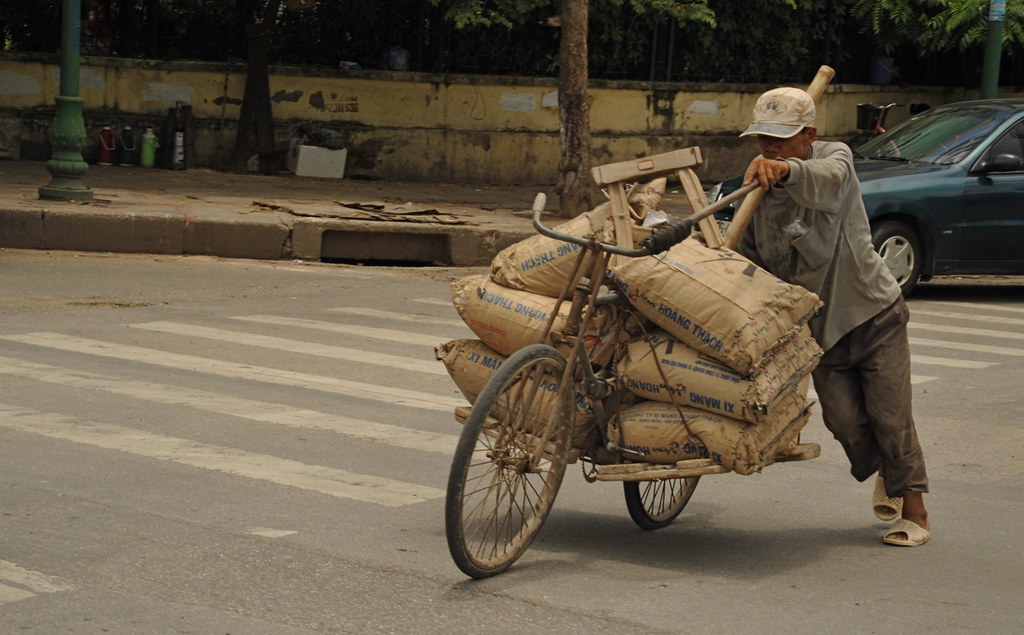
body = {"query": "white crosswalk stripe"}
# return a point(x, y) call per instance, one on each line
point(377, 314)
point(17, 583)
point(362, 390)
point(296, 346)
point(263, 411)
point(977, 305)
point(389, 335)
point(970, 317)
point(963, 330)
point(332, 481)
point(972, 348)
point(952, 363)
point(434, 301)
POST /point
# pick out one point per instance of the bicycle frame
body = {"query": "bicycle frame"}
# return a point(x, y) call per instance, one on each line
point(586, 298)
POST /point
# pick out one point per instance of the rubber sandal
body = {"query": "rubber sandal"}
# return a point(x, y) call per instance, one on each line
point(886, 508)
point(916, 534)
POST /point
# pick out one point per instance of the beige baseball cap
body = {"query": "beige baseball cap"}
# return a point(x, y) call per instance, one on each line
point(781, 112)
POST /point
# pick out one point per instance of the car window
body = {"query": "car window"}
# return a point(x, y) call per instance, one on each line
point(940, 135)
point(1006, 154)
point(1011, 143)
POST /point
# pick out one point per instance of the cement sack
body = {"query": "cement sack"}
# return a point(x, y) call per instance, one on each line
point(656, 431)
point(542, 265)
point(716, 301)
point(698, 380)
point(508, 319)
point(471, 364)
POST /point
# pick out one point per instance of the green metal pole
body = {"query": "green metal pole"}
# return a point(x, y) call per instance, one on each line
point(993, 49)
point(67, 136)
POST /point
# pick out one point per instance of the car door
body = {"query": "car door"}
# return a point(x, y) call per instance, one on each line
point(993, 229)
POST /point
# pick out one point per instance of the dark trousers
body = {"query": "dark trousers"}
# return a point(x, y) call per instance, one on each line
point(863, 384)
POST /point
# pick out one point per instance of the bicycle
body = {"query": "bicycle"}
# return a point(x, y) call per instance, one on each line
point(870, 122)
point(522, 430)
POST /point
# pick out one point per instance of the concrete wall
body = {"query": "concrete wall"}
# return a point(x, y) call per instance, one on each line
point(424, 127)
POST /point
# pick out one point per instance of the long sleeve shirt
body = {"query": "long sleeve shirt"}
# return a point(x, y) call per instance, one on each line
point(812, 230)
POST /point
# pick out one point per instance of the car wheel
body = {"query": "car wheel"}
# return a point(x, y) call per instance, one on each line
point(900, 248)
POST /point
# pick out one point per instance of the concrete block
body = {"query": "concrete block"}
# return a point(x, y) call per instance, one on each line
point(75, 230)
point(306, 238)
point(263, 241)
point(21, 229)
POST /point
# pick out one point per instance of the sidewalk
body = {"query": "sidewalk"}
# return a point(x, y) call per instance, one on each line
point(283, 216)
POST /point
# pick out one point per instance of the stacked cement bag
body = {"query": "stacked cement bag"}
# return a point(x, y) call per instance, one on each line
point(510, 308)
point(508, 319)
point(726, 375)
point(716, 301)
point(661, 433)
point(470, 364)
point(660, 367)
point(542, 265)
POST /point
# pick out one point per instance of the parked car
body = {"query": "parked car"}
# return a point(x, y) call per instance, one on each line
point(944, 191)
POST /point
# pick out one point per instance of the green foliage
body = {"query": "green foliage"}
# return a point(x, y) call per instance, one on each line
point(760, 40)
point(623, 32)
point(683, 12)
point(508, 13)
point(486, 13)
point(937, 26)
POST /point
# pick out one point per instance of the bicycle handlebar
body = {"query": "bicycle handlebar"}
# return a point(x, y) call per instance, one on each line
point(673, 231)
point(538, 206)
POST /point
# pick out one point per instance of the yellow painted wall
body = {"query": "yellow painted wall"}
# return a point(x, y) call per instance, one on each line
point(414, 126)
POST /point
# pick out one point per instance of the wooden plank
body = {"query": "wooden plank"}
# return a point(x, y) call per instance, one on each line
point(665, 472)
point(622, 219)
point(646, 168)
point(694, 463)
point(622, 468)
point(698, 201)
point(690, 467)
point(652, 472)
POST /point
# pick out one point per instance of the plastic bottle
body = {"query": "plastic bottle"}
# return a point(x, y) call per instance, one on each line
point(149, 146)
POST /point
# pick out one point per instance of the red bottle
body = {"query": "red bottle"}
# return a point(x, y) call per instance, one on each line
point(106, 146)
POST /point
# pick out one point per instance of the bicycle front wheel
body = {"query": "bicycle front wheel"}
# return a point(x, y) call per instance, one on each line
point(509, 462)
point(655, 504)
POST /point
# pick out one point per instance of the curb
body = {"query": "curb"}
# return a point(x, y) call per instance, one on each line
point(263, 237)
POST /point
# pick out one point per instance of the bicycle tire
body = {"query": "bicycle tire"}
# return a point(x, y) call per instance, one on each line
point(655, 504)
point(504, 478)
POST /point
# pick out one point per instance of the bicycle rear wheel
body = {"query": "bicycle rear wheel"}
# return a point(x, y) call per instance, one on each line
point(655, 504)
point(509, 462)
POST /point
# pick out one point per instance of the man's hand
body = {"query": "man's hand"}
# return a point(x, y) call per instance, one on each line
point(766, 172)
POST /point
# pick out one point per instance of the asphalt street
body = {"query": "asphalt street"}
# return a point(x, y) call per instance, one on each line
point(192, 444)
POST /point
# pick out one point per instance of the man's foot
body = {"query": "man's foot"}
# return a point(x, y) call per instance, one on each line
point(913, 529)
point(906, 533)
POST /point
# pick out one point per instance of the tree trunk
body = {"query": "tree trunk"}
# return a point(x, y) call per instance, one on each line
point(256, 120)
point(575, 187)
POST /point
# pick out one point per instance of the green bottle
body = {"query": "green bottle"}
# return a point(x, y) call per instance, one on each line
point(149, 146)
